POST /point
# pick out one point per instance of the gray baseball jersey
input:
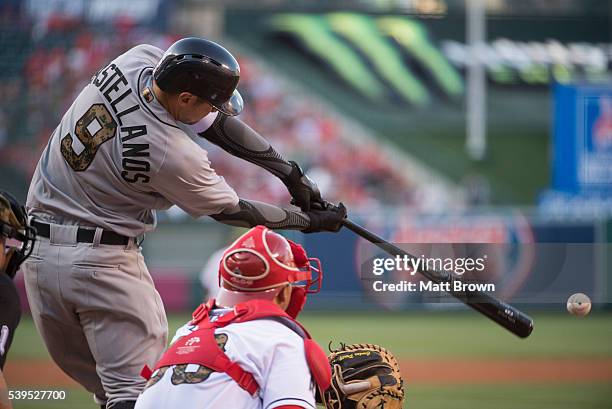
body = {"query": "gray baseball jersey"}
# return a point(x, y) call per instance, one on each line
point(117, 155)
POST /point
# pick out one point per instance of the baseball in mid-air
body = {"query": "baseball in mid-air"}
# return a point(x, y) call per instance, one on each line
point(579, 304)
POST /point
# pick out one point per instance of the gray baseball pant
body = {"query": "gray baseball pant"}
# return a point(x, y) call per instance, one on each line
point(97, 310)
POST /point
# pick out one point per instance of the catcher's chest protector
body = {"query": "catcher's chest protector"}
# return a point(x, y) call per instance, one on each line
point(200, 347)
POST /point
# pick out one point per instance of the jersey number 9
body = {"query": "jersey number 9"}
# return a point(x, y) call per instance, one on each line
point(94, 128)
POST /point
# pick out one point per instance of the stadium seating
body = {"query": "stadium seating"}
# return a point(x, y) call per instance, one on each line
point(34, 99)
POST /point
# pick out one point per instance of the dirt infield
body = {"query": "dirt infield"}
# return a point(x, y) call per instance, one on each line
point(47, 374)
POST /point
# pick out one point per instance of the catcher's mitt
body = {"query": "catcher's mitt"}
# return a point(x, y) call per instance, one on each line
point(364, 376)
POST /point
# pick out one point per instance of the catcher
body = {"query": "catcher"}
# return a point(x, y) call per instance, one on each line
point(245, 348)
point(16, 242)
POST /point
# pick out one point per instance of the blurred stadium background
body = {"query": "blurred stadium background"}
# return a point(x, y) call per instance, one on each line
point(434, 121)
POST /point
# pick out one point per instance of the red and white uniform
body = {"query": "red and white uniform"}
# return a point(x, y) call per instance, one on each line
point(254, 354)
point(269, 350)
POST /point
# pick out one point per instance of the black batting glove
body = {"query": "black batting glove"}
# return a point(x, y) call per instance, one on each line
point(303, 190)
point(325, 216)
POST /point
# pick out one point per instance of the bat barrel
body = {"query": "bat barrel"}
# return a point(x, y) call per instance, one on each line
point(502, 313)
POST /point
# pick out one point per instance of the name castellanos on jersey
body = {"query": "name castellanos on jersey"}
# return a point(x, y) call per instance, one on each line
point(114, 87)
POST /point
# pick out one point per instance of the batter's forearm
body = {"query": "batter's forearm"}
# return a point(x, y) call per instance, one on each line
point(250, 213)
point(237, 138)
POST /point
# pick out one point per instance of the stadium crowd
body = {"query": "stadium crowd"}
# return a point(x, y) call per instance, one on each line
point(51, 63)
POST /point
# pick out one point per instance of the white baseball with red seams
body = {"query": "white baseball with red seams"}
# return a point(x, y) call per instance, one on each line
point(579, 304)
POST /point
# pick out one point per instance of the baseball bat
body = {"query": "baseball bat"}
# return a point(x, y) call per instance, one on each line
point(502, 313)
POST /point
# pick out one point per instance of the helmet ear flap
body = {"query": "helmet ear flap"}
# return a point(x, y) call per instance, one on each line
point(298, 300)
point(299, 254)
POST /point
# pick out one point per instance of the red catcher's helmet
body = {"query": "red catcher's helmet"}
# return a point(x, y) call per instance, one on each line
point(260, 263)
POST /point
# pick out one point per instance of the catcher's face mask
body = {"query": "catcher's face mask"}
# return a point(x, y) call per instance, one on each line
point(260, 263)
point(18, 237)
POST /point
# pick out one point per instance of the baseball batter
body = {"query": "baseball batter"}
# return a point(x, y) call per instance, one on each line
point(264, 282)
point(122, 150)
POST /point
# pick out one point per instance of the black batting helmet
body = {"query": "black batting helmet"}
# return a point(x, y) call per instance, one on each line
point(203, 68)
